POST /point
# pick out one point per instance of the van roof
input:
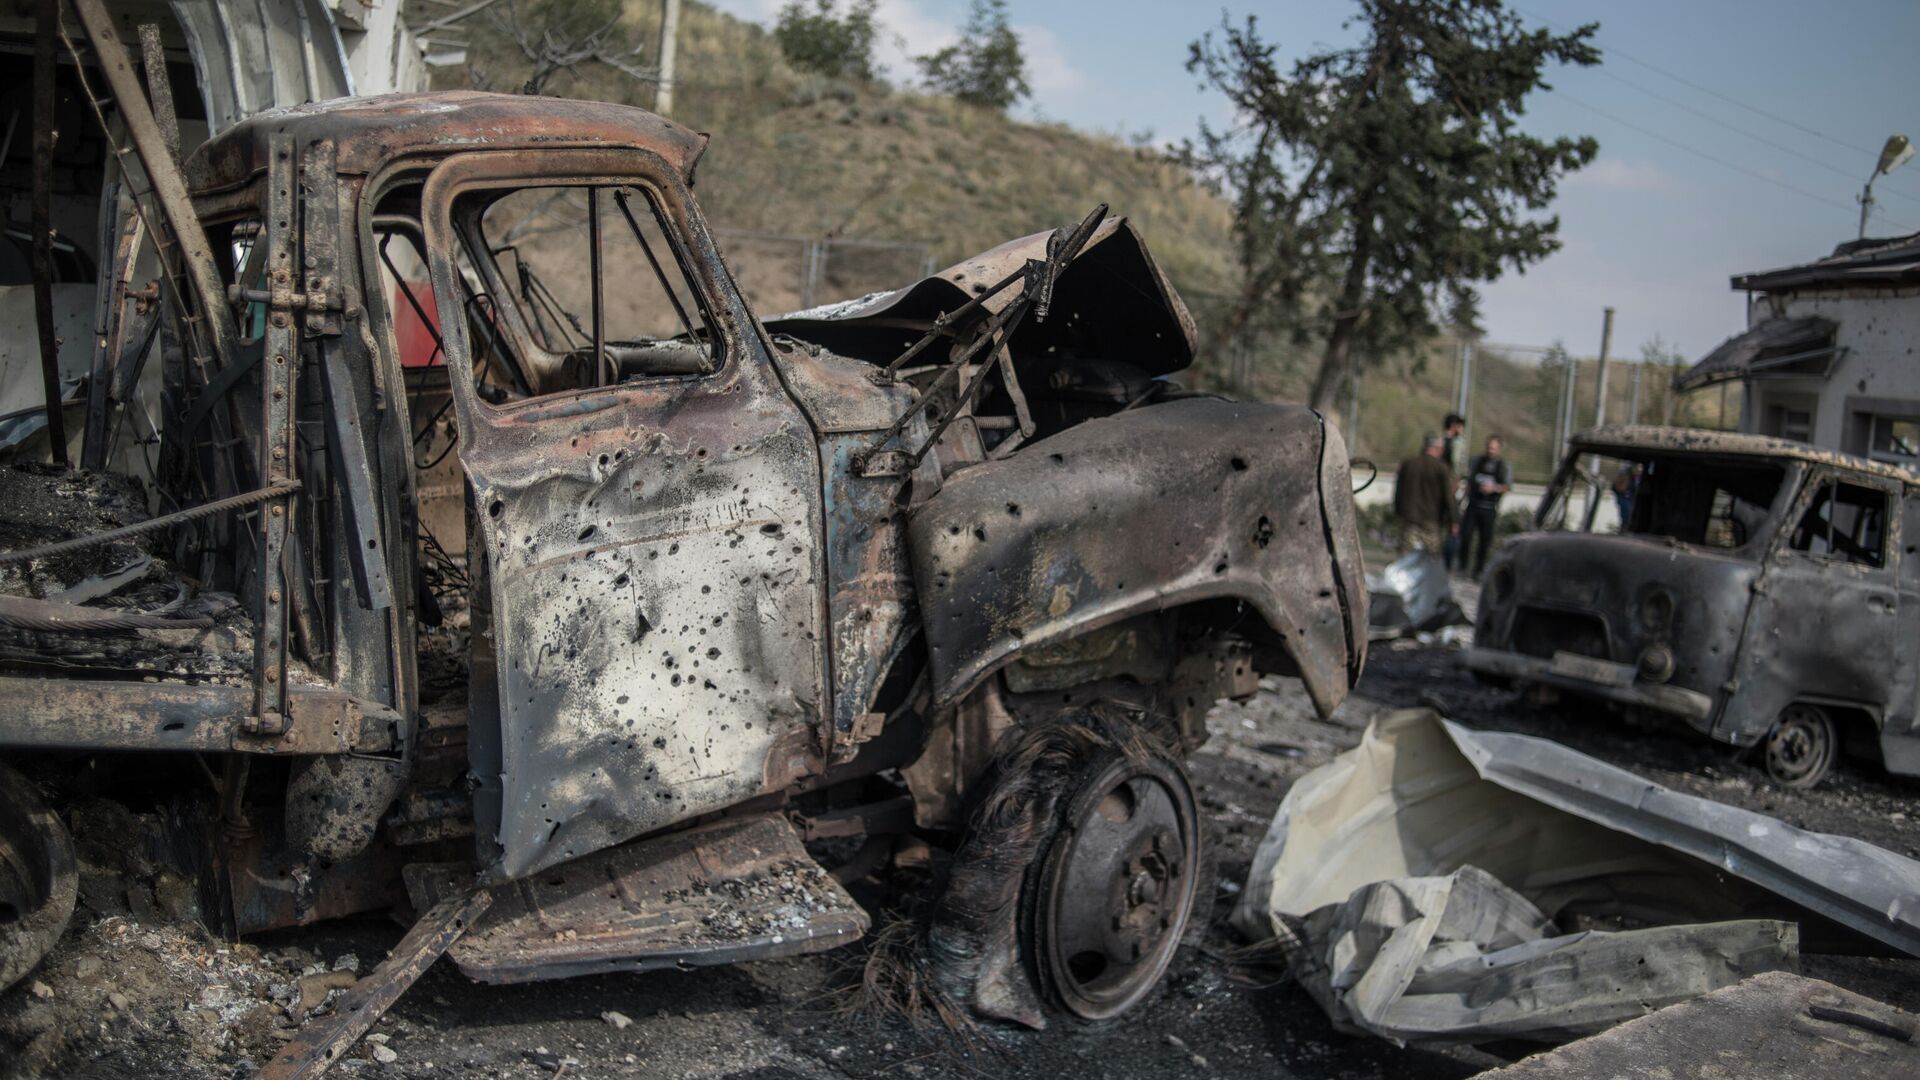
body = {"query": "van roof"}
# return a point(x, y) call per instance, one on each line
point(1634, 440)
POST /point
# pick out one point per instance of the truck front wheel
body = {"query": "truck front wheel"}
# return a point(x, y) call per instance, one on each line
point(1109, 897)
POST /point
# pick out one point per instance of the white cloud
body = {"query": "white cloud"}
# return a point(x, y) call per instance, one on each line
point(1049, 71)
point(907, 30)
point(1622, 174)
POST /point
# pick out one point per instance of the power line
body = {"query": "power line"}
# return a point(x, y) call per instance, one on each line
point(1609, 50)
point(1712, 119)
point(1735, 166)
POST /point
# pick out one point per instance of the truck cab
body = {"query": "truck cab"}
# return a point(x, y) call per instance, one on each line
point(548, 562)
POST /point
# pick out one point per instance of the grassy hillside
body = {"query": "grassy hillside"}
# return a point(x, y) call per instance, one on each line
point(798, 154)
point(801, 154)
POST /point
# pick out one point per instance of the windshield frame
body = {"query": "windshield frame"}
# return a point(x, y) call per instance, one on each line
point(1572, 468)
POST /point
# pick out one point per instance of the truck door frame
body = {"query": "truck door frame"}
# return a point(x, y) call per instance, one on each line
point(667, 660)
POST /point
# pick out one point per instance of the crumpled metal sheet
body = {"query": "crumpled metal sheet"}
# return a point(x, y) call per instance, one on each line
point(1412, 594)
point(1775, 1024)
point(1464, 958)
point(1112, 301)
point(255, 57)
point(1421, 798)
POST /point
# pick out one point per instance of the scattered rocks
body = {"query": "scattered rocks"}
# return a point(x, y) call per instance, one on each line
point(315, 988)
point(618, 1020)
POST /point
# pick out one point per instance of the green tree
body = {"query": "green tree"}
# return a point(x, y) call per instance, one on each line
point(820, 38)
point(986, 67)
point(1376, 186)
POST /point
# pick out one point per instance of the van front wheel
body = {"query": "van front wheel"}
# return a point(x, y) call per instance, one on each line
point(1802, 746)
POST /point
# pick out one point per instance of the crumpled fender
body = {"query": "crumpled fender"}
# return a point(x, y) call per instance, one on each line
point(1152, 508)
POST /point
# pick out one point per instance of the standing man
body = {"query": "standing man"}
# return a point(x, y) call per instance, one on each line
point(1454, 428)
point(1423, 498)
point(1489, 477)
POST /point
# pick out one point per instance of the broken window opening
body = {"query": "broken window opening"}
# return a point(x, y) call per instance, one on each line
point(1844, 521)
point(1708, 503)
point(594, 302)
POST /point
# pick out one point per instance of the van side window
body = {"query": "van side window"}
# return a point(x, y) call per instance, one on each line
point(1844, 521)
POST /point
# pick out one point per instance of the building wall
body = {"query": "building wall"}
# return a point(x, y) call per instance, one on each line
point(1878, 371)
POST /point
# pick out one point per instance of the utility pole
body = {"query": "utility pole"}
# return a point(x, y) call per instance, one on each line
point(669, 44)
point(1464, 399)
point(1353, 408)
point(1633, 402)
point(1570, 382)
point(1606, 344)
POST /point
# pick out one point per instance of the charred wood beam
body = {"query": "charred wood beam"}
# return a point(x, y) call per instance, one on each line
point(322, 1042)
point(47, 17)
point(168, 183)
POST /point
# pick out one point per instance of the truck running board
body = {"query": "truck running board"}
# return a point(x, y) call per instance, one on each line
point(736, 889)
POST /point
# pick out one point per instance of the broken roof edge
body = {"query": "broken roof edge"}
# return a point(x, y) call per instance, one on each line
point(1869, 262)
point(1768, 343)
point(370, 132)
point(1645, 438)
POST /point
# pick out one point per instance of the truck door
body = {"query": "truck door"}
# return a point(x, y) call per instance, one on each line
point(1825, 615)
point(645, 507)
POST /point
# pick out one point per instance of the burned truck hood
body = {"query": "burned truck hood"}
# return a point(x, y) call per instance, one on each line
point(1112, 301)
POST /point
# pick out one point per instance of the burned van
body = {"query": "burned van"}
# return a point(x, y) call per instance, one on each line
point(1760, 590)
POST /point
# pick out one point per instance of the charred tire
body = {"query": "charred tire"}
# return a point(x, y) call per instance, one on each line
point(1114, 884)
point(39, 880)
point(1802, 746)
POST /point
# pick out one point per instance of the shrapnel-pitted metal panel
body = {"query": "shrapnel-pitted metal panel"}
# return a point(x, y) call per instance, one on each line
point(1147, 509)
point(656, 615)
point(653, 565)
point(1557, 574)
point(869, 583)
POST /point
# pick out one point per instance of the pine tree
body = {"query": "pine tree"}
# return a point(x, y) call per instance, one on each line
point(986, 67)
point(1376, 186)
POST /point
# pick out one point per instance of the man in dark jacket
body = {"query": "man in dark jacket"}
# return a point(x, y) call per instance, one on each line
point(1423, 498)
point(1488, 477)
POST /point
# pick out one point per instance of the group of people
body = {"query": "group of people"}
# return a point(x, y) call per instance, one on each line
point(1445, 510)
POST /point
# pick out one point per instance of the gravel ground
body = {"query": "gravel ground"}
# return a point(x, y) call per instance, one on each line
point(125, 999)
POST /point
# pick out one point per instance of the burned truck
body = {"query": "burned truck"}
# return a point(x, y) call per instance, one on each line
point(504, 566)
point(1762, 591)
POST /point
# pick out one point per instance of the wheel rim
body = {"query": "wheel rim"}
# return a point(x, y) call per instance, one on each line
point(1118, 886)
point(1800, 748)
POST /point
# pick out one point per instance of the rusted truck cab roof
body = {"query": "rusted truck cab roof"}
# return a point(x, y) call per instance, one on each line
point(370, 133)
point(1626, 441)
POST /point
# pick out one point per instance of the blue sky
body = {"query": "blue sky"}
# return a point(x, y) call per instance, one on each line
point(1653, 228)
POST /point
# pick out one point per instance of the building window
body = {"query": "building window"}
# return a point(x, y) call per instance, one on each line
point(1796, 424)
point(1895, 440)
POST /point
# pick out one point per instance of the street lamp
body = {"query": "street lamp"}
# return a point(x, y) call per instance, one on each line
point(1895, 154)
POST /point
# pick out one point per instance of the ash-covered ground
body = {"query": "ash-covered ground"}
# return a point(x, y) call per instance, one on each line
point(136, 995)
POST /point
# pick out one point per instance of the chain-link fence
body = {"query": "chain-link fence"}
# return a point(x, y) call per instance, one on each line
point(780, 273)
